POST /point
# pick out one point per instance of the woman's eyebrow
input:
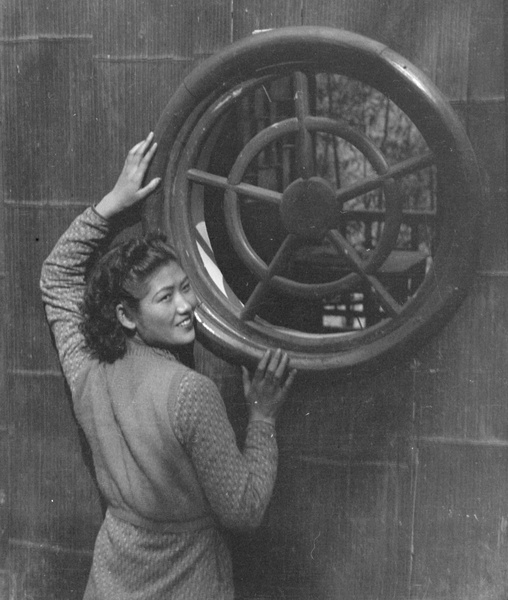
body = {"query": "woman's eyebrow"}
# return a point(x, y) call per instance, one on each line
point(164, 289)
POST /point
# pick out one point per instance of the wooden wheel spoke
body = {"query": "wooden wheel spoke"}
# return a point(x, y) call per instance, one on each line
point(276, 267)
point(394, 172)
point(385, 299)
point(305, 145)
point(246, 189)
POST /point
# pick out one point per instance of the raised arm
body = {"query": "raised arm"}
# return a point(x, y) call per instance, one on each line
point(63, 272)
point(63, 283)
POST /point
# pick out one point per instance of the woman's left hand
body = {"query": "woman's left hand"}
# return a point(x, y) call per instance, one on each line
point(128, 189)
point(268, 389)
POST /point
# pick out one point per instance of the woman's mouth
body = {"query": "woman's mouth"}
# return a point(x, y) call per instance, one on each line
point(186, 323)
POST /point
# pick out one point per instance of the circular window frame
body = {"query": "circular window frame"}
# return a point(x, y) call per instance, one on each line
point(361, 58)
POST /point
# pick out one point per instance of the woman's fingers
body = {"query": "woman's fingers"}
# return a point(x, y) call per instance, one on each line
point(245, 380)
point(142, 153)
point(142, 146)
point(147, 141)
point(289, 380)
point(149, 188)
point(261, 368)
point(274, 362)
point(136, 165)
point(144, 162)
point(136, 149)
point(282, 366)
point(269, 388)
point(272, 366)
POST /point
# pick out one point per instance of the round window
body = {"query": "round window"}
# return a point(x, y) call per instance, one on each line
point(323, 197)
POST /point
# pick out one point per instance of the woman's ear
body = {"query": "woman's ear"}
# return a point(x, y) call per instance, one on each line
point(123, 316)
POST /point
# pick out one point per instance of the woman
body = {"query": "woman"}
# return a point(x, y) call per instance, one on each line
point(164, 452)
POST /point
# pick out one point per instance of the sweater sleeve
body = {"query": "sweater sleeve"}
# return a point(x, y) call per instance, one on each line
point(62, 285)
point(237, 484)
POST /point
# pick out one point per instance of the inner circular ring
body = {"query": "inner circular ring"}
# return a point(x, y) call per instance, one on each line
point(233, 214)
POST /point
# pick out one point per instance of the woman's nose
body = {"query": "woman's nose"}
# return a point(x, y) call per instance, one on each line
point(184, 303)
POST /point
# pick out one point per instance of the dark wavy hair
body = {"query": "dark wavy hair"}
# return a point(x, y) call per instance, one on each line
point(118, 277)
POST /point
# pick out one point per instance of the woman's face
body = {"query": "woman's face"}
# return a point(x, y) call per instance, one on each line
point(165, 316)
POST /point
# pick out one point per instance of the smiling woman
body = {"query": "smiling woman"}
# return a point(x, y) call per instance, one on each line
point(165, 314)
point(164, 451)
point(137, 290)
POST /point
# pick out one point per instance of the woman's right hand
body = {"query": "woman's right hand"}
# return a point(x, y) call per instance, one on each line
point(128, 189)
point(268, 389)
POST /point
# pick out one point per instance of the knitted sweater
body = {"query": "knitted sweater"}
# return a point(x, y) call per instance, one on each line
point(164, 451)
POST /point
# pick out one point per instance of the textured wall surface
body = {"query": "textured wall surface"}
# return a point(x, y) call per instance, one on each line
point(390, 487)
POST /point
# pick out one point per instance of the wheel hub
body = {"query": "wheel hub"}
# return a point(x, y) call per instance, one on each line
point(309, 208)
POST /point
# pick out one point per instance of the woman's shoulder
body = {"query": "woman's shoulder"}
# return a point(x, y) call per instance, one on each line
point(153, 364)
point(194, 379)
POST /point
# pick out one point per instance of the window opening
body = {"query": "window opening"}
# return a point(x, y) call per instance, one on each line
point(340, 162)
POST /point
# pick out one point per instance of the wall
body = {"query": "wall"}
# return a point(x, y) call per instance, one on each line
point(393, 486)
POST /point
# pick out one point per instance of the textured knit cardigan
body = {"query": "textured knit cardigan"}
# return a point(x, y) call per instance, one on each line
point(164, 451)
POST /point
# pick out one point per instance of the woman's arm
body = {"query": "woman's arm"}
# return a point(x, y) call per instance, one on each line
point(238, 485)
point(62, 285)
point(63, 272)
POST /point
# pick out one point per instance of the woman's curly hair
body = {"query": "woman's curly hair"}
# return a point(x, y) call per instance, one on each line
point(111, 281)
